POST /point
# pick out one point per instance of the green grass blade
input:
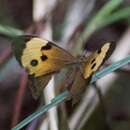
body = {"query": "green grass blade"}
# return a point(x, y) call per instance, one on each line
point(10, 31)
point(120, 14)
point(58, 99)
point(97, 20)
point(63, 96)
point(96, 23)
point(109, 8)
point(102, 15)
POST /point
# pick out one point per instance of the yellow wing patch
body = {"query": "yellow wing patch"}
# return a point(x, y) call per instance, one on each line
point(31, 55)
point(95, 60)
point(41, 57)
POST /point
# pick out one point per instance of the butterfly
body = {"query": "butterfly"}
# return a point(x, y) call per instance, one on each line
point(42, 58)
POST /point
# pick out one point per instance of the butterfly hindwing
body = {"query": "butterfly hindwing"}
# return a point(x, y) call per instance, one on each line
point(37, 84)
point(75, 83)
point(79, 86)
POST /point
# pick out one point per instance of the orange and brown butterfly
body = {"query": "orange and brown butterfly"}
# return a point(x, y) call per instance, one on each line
point(81, 75)
point(41, 58)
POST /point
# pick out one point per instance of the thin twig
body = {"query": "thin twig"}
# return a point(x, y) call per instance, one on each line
point(63, 96)
point(19, 98)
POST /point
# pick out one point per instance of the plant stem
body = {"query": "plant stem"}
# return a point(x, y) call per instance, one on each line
point(10, 31)
point(63, 96)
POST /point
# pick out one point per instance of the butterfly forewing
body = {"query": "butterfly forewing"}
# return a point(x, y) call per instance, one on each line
point(95, 60)
point(41, 57)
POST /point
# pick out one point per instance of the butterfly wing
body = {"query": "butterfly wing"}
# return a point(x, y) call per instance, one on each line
point(75, 83)
point(95, 60)
point(40, 56)
point(37, 84)
point(78, 87)
point(81, 76)
point(41, 59)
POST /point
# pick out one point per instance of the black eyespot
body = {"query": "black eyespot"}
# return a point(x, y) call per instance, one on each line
point(93, 66)
point(34, 62)
point(44, 57)
point(99, 51)
point(92, 61)
point(46, 47)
